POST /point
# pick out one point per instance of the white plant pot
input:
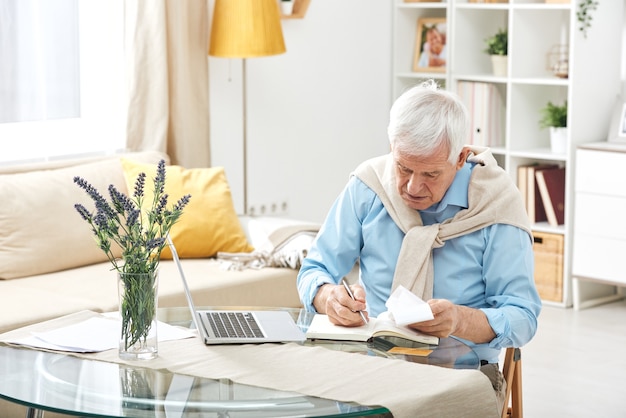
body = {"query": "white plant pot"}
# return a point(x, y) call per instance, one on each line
point(286, 8)
point(558, 140)
point(500, 64)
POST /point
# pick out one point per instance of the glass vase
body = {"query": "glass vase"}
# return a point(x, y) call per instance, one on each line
point(138, 296)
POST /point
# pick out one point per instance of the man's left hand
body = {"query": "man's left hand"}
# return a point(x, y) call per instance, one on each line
point(444, 322)
point(460, 321)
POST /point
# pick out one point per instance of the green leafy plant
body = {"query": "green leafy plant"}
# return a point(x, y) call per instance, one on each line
point(583, 14)
point(141, 237)
point(553, 115)
point(498, 43)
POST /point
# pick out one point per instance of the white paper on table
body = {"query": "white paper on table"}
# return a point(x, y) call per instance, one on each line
point(94, 334)
point(408, 308)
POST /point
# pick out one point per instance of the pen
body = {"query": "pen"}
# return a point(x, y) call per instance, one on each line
point(345, 284)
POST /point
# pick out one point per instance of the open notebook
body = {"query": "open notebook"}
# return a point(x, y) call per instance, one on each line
point(239, 327)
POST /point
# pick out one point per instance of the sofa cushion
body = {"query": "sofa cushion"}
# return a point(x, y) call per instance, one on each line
point(40, 231)
point(209, 222)
point(50, 295)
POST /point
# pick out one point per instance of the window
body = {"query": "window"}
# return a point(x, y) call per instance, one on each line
point(62, 88)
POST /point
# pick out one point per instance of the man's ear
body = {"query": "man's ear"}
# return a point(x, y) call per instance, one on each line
point(462, 157)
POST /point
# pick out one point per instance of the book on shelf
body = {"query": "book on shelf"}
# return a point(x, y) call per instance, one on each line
point(486, 111)
point(527, 186)
point(551, 184)
point(381, 326)
point(522, 183)
point(534, 204)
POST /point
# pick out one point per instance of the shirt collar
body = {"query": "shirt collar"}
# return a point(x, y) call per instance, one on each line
point(457, 192)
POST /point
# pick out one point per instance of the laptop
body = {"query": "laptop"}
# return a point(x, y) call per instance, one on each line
point(239, 327)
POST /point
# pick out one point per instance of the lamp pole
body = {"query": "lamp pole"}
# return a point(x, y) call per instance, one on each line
point(244, 111)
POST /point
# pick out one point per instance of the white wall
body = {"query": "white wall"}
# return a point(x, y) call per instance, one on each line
point(314, 112)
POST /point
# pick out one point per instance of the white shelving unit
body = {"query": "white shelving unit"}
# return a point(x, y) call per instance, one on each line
point(534, 29)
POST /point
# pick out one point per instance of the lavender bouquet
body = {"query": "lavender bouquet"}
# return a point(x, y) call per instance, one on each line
point(141, 237)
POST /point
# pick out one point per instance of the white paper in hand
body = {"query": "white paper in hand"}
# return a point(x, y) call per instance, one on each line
point(407, 308)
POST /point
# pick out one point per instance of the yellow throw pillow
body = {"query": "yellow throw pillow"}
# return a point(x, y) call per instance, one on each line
point(209, 222)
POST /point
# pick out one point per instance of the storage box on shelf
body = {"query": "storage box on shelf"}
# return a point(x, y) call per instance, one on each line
point(534, 29)
point(549, 265)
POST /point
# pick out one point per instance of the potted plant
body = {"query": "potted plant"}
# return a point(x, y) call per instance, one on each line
point(554, 117)
point(286, 7)
point(497, 48)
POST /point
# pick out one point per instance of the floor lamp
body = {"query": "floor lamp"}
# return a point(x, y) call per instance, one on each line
point(246, 29)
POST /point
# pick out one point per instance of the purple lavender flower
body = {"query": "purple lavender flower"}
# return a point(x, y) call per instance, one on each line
point(125, 221)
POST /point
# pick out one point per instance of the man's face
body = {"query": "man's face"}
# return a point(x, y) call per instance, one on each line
point(422, 180)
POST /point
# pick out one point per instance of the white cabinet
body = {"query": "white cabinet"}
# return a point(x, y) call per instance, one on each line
point(599, 224)
point(536, 30)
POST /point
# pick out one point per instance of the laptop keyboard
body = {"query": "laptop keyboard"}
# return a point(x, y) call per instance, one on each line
point(234, 325)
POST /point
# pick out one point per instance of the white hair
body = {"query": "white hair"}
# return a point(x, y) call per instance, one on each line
point(425, 118)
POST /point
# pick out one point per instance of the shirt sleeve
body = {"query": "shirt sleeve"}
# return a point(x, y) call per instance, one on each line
point(511, 296)
point(335, 249)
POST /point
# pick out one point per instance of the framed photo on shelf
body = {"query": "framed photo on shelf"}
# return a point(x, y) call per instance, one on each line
point(617, 130)
point(430, 45)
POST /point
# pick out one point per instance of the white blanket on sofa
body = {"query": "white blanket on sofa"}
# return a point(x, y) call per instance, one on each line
point(285, 246)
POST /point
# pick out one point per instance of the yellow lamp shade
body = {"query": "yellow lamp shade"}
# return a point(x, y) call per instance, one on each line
point(245, 29)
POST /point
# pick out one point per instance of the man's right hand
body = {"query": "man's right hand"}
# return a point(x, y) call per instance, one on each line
point(334, 301)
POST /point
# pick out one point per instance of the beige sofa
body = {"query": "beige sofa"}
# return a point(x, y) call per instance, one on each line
point(50, 265)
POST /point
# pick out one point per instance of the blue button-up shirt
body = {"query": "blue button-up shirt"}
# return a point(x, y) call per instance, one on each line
point(490, 269)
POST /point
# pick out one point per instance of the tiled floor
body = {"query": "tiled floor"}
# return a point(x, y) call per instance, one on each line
point(576, 364)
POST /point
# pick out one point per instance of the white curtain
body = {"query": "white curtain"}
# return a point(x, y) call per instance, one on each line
point(38, 79)
point(167, 68)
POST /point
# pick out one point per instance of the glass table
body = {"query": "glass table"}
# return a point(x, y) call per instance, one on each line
point(45, 381)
